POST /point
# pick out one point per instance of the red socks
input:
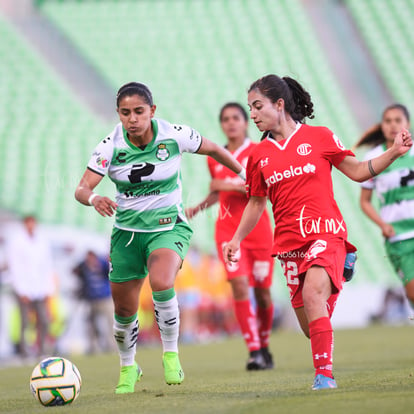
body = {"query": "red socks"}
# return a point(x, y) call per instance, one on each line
point(265, 321)
point(321, 337)
point(247, 321)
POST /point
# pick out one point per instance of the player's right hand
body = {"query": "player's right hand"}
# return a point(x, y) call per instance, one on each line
point(230, 251)
point(104, 206)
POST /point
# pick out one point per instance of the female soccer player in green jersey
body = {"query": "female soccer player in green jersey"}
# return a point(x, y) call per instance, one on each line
point(151, 235)
point(395, 191)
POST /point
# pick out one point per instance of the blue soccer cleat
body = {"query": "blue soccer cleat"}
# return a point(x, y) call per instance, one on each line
point(321, 383)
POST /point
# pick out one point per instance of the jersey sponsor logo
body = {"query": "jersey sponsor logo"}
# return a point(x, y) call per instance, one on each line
point(129, 194)
point(407, 178)
point(290, 173)
point(304, 149)
point(339, 143)
point(315, 225)
point(142, 169)
point(162, 152)
point(318, 247)
point(264, 162)
point(120, 157)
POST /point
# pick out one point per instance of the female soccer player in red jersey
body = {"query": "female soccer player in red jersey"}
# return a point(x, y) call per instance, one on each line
point(255, 264)
point(292, 166)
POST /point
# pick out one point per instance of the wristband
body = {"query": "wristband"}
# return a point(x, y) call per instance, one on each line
point(242, 174)
point(91, 198)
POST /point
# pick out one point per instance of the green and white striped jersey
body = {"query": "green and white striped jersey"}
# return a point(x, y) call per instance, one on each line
point(148, 181)
point(395, 190)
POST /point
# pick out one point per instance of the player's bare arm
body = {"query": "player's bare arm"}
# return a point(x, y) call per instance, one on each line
point(211, 199)
point(85, 195)
point(363, 170)
point(221, 155)
point(251, 215)
point(368, 208)
point(223, 185)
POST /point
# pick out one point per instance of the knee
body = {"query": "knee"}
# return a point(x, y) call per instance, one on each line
point(263, 297)
point(123, 311)
point(240, 288)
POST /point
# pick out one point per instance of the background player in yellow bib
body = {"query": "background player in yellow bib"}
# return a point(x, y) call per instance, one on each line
point(151, 235)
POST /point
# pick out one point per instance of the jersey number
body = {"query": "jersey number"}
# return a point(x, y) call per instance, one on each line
point(290, 269)
point(143, 169)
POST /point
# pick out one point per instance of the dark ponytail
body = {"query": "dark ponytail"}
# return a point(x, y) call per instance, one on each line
point(302, 106)
point(298, 102)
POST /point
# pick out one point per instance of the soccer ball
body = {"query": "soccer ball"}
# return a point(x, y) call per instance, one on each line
point(55, 381)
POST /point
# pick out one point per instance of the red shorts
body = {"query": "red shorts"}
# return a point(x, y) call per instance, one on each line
point(257, 264)
point(328, 253)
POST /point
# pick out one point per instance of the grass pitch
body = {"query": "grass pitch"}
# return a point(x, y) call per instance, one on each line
point(374, 368)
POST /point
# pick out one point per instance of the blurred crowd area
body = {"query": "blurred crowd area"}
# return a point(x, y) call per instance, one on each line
point(79, 307)
point(80, 310)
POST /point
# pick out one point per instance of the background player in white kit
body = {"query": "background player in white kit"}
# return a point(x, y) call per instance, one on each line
point(151, 235)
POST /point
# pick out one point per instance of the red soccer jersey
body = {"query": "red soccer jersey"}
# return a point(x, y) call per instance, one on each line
point(232, 204)
point(296, 176)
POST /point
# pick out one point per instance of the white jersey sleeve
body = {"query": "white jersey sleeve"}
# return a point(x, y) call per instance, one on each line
point(188, 139)
point(101, 157)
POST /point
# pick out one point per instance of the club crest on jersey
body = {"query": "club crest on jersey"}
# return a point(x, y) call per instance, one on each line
point(304, 149)
point(162, 152)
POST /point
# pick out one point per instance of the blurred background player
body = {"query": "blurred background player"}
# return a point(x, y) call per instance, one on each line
point(292, 166)
point(395, 191)
point(95, 290)
point(151, 235)
point(30, 267)
point(255, 264)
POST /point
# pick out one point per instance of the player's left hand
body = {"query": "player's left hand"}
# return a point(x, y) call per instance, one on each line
point(403, 142)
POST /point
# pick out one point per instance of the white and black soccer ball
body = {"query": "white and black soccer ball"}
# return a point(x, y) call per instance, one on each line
point(55, 381)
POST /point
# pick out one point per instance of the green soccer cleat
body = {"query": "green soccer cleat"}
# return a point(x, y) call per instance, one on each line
point(129, 375)
point(173, 372)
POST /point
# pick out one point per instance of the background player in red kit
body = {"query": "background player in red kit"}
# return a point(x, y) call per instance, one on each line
point(292, 166)
point(255, 265)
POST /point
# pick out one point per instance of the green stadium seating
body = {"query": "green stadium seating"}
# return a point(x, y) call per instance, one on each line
point(195, 56)
point(46, 137)
point(387, 30)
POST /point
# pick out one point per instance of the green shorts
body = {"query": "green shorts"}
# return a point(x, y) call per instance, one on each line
point(130, 250)
point(401, 255)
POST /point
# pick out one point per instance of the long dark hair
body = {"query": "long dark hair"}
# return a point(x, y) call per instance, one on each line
point(298, 102)
point(374, 135)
